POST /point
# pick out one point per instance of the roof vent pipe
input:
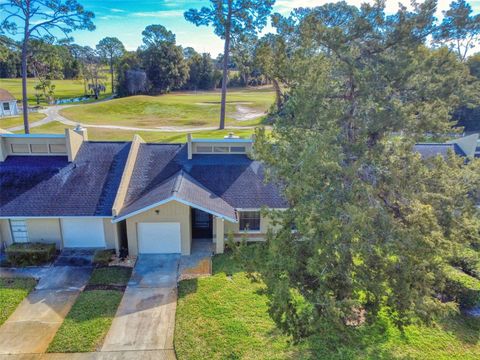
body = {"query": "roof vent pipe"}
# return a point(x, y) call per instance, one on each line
point(79, 129)
point(189, 146)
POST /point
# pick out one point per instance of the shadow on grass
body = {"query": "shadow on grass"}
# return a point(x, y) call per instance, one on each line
point(466, 329)
point(187, 287)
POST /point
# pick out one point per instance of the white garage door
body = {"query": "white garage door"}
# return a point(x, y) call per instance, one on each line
point(85, 233)
point(159, 238)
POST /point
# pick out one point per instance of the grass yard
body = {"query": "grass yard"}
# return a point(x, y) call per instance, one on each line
point(149, 136)
point(91, 316)
point(64, 89)
point(117, 276)
point(245, 107)
point(12, 292)
point(223, 317)
point(9, 122)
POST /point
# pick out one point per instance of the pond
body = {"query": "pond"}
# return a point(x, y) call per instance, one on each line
point(71, 100)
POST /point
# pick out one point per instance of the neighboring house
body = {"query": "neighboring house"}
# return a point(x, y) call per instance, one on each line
point(8, 104)
point(147, 197)
point(467, 146)
point(151, 198)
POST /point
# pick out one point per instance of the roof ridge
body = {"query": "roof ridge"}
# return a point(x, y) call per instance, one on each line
point(178, 181)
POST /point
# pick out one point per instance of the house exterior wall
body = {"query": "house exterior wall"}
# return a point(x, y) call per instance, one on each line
point(5, 233)
point(111, 234)
point(170, 212)
point(45, 231)
point(13, 108)
point(234, 229)
point(49, 230)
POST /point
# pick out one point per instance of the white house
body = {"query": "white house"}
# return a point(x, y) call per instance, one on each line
point(8, 104)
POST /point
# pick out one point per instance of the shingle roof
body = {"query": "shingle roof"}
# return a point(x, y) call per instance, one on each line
point(182, 187)
point(51, 186)
point(428, 150)
point(6, 96)
point(235, 179)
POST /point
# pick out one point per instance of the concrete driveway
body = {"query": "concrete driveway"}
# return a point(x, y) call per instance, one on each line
point(145, 319)
point(32, 326)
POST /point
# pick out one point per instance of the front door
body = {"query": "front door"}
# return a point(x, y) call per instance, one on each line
point(201, 224)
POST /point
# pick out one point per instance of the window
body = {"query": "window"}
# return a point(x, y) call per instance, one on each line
point(6, 106)
point(250, 221)
point(58, 148)
point(204, 148)
point(19, 231)
point(20, 148)
point(221, 149)
point(239, 149)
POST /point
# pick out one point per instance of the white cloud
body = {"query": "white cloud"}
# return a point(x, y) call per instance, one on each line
point(117, 10)
point(391, 6)
point(159, 14)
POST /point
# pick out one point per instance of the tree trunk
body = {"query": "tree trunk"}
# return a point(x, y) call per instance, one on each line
point(24, 77)
point(226, 52)
point(111, 73)
point(278, 92)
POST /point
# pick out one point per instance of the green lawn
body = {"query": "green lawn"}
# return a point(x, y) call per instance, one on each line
point(226, 318)
point(91, 316)
point(187, 109)
point(12, 292)
point(110, 276)
point(64, 89)
point(88, 322)
point(9, 122)
point(122, 135)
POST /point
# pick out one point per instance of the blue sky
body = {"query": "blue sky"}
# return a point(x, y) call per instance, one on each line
point(126, 20)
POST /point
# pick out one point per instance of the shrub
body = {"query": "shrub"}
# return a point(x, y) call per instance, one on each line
point(468, 260)
point(30, 254)
point(462, 287)
point(103, 257)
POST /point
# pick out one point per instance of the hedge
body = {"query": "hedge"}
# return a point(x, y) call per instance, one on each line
point(103, 257)
point(30, 254)
point(462, 287)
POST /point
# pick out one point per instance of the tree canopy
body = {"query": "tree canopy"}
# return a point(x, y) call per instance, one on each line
point(375, 223)
point(42, 19)
point(231, 19)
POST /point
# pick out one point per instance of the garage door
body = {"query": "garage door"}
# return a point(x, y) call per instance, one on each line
point(84, 233)
point(159, 238)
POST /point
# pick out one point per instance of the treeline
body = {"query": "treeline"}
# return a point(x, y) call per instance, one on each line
point(158, 66)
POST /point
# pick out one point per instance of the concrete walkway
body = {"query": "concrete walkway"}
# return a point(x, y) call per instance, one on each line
point(34, 323)
point(145, 319)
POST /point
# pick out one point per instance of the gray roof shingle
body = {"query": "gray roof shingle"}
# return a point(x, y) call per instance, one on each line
point(51, 186)
point(214, 180)
point(184, 188)
point(428, 150)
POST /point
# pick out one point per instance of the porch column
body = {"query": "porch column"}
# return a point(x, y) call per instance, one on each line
point(220, 235)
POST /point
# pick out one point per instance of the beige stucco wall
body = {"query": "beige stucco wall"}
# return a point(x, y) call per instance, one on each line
point(45, 231)
point(5, 233)
point(234, 228)
point(169, 212)
point(111, 234)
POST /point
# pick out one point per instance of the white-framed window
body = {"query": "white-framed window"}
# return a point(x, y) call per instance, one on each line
point(221, 149)
point(19, 230)
point(204, 148)
point(237, 149)
point(6, 106)
point(249, 220)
